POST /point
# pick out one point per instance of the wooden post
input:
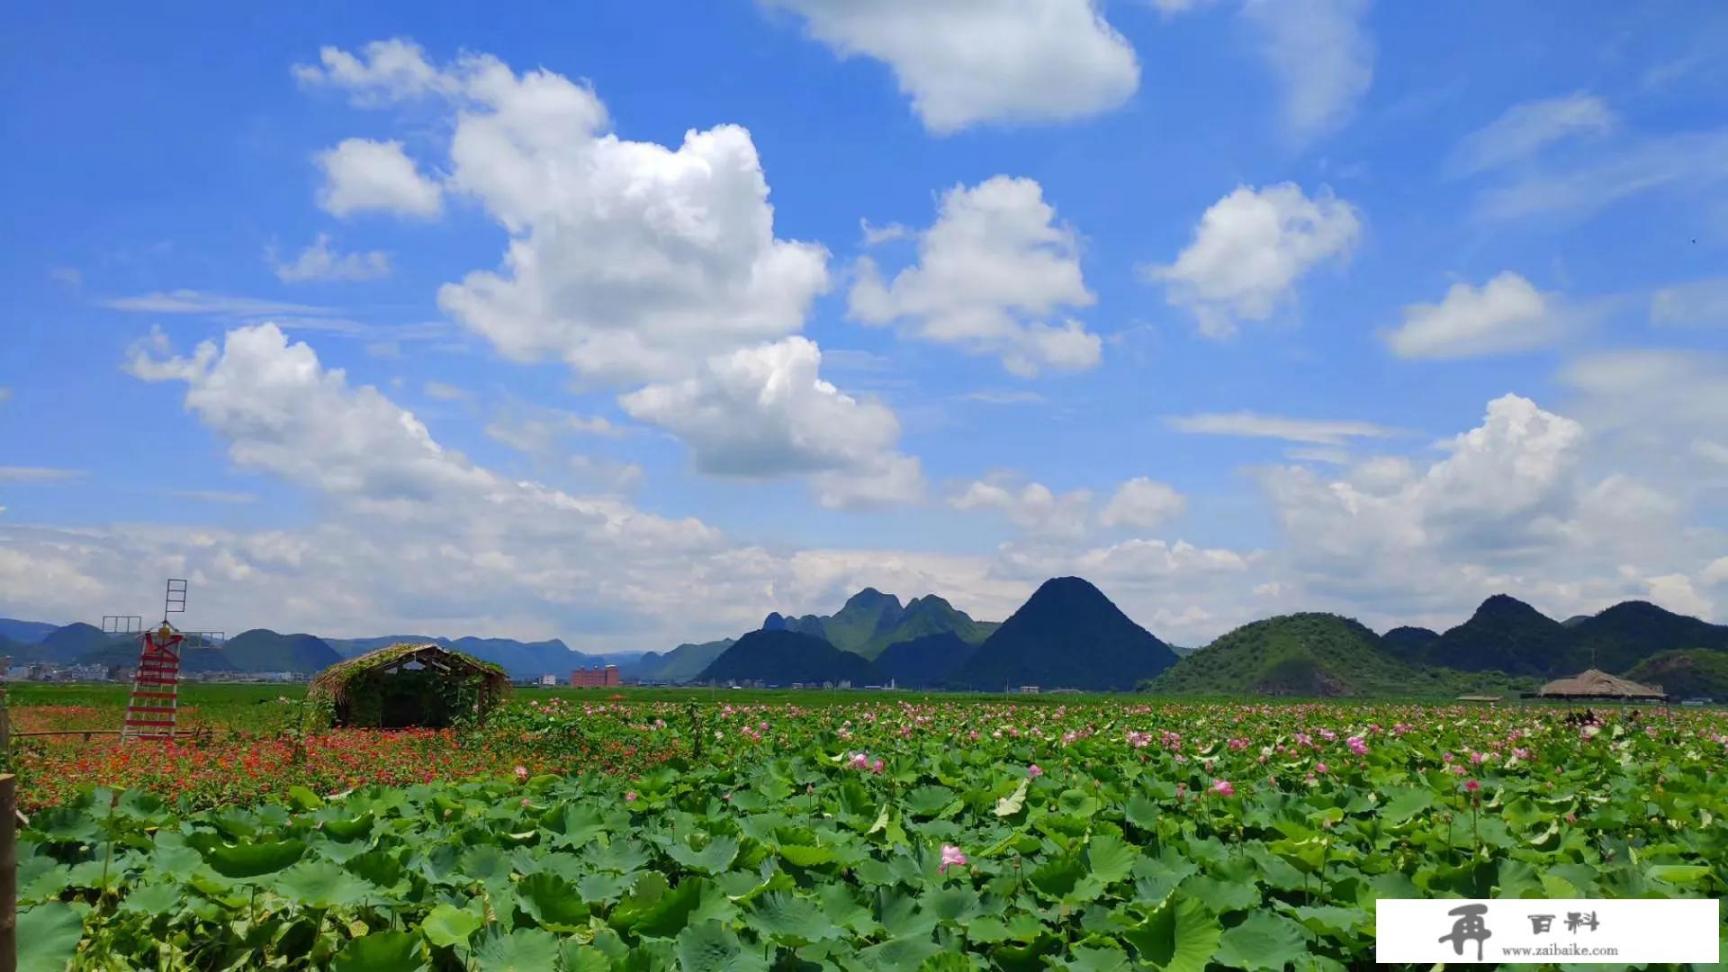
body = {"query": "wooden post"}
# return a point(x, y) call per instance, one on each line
point(8, 873)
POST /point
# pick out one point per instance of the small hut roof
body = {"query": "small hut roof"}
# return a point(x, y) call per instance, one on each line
point(1599, 684)
point(333, 681)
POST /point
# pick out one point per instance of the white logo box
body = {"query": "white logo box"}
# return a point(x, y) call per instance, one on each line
point(1460, 931)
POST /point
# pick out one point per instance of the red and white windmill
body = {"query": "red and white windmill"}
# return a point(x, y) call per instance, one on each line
point(155, 703)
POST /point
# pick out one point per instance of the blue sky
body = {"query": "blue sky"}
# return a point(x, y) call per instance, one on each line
point(632, 322)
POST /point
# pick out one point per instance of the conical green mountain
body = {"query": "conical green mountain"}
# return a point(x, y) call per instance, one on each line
point(1067, 635)
point(784, 657)
point(66, 645)
point(263, 650)
point(864, 615)
point(1629, 632)
point(1506, 635)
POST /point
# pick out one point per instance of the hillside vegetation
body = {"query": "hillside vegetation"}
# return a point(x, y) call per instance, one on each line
point(1311, 655)
point(1687, 674)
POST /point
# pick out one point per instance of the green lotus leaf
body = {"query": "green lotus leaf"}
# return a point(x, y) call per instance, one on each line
point(552, 902)
point(447, 925)
point(1180, 936)
point(48, 936)
point(387, 951)
point(715, 858)
point(321, 884)
point(523, 950)
point(252, 859)
point(1263, 941)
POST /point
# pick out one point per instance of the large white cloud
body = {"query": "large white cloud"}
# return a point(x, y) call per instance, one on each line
point(1250, 249)
point(765, 411)
point(362, 175)
point(991, 274)
point(966, 62)
point(630, 261)
point(1514, 506)
point(1504, 315)
point(651, 269)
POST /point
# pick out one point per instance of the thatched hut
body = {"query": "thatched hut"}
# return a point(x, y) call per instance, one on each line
point(409, 685)
point(1599, 685)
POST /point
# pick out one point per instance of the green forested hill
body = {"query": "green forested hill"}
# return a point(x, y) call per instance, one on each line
point(1311, 655)
point(1693, 673)
point(1066, 635)
point(785, 657)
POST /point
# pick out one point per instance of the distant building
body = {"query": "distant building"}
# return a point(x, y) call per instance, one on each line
point(596, 677)
point(548, 680)
point(1027, 690)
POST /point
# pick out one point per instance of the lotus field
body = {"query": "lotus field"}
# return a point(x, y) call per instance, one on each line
point(873, 833)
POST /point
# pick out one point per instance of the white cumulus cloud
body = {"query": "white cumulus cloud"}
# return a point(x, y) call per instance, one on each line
point(765, 411)
point(968, 62)
point(1250, 249)
point(1504, 315)
point(992, 273)
point(362, 175)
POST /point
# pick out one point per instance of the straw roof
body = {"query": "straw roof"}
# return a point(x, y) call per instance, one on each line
point(333, 681)
point(1596, 684)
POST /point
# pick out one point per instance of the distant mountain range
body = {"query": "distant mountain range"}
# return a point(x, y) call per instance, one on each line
point(1507, 635)
point(1314, 656)
point(1067, 635)
point(682, 664)
point(263, 650)
point(783, 657)
point(870, 621)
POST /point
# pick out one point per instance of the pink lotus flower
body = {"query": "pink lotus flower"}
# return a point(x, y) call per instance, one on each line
point(1472, 786)
point(1223, 788)
point(951, 857)
point(1321, 769)
point(522, 774)
point(1033, 771)
point(1357, 746)
point(860, 761)
point(630, 796)
point(877, 766)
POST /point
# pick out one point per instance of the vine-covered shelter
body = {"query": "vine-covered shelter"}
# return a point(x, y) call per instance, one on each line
point(409, 685)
